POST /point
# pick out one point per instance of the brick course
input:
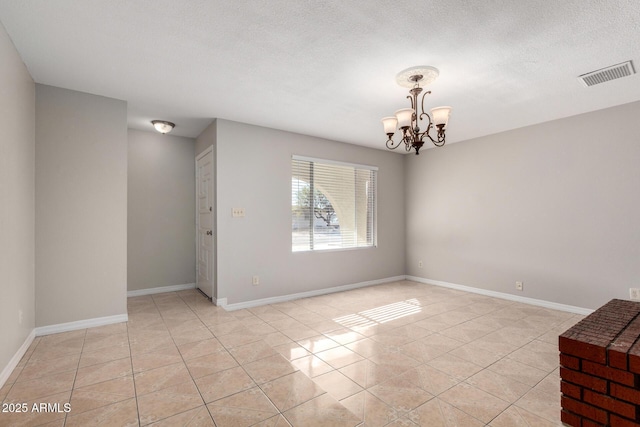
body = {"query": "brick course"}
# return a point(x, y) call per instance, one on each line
point(600, 368)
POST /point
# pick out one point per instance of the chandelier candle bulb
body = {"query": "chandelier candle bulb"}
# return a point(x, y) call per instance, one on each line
point(390, 124)
point(441, 115)
point(405, 117)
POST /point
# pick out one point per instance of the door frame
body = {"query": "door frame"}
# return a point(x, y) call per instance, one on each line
point(207, 152)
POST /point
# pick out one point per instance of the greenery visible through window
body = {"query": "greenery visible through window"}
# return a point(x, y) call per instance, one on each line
point(333, 205)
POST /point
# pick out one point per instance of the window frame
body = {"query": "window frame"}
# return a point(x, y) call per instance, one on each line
point(374, 210)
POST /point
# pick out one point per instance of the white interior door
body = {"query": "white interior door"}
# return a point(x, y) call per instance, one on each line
point(205, 221)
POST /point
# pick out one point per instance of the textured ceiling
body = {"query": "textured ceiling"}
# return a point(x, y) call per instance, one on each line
point(327, 68)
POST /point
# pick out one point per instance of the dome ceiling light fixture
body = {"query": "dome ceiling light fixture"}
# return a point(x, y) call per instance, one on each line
point(163, 126)
point(406, 120)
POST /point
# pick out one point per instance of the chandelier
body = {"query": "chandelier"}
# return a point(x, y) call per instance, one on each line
point(407, 119)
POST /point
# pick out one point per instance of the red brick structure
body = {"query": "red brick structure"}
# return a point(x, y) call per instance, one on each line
point(600, 368)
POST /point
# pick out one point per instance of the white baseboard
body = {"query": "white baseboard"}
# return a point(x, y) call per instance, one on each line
point(161, 289)
point(81, 324)
point(502, 295)
point(222, 302)
point(54, 329)
point(6, 372)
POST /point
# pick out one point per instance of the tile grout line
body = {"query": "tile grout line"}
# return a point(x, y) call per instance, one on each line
point(75, 377)
point(133, 378)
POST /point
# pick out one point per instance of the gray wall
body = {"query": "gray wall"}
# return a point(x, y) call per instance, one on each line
point(254, 172)
point(17, 198)
point(81, 206)
point(555, 205)
point(161, 210)
point(207, 138)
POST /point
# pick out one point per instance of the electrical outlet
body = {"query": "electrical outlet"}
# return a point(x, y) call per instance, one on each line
point(420, 264)
point(20, 317)
point(256, 280)
point(237, 212)
point(519, 286)
point(634, 294)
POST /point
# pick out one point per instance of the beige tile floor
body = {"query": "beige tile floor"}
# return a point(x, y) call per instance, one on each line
point(399, 354)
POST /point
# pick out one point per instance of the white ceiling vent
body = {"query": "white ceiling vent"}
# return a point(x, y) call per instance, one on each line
point(610, 73)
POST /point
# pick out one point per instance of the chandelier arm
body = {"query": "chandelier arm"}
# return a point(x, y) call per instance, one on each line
point(437, 142)
point(430, 125)
point(422, 104)
point(424, 113)
point(410, 98)
point(390, 144)
point(426, 133)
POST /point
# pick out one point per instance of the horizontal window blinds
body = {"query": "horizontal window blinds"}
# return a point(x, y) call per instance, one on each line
point(333, 205)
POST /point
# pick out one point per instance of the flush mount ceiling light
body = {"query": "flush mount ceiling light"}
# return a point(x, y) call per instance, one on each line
point(163, 126)
point(406, 119)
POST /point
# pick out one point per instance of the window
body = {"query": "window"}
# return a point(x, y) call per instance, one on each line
point(333, 205)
